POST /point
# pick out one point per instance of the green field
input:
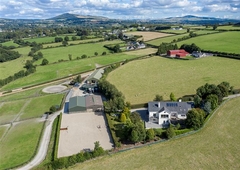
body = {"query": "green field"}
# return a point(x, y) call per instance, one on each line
point(23, 50)
point(228, 27)
point(223, 42)
point(141, 80)
point(216, 146)
point(38, 106)
point(53, 71)
point(169, 39)
point(9, 68)
point(9, 43)
point(2, 130)
point(9, 110)
point(55, 54)
point(36, 92)
point(71, 42)
point(202, 32)
point(45, 39)
point(19, 144)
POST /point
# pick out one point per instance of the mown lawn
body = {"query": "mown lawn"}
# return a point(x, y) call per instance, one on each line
point(216, 146)
point(8, 110)
point(222, 42)
point(9, 68)
point(141, 80)
point(53, 71)
point(169, 39)
point(38, 106)
point(19, 144)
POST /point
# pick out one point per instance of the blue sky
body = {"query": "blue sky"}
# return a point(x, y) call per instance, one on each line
point(121, 9)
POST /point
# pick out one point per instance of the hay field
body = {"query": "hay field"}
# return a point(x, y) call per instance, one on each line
point(141, 80)
point(169, 39)
point(149, 35)
point(224, 42)
point(216, 146)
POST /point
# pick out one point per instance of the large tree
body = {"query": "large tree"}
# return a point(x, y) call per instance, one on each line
point(170, 132)
point(195, 118)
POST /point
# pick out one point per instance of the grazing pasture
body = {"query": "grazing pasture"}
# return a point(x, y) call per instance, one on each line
point(71, 42)
point(9, 43)
point(216, 146)
point(23, 50)
point(62, 53)
point(169, 39)
point(202, 32)
point(58, 70)
point(9, 68)
point(38, 106)
point(9, 110)
point(228, 27)
point(146, 36)
point(3, 130)
point(222, 42)
point(141, 80)
point(19, 144)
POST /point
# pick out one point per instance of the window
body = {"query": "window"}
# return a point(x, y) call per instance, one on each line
point(164, 116)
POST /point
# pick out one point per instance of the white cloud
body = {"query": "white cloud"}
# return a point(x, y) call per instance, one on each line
point(119, 8)
point(2, 7)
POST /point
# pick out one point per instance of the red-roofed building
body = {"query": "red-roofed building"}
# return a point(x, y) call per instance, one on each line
point(177, 53)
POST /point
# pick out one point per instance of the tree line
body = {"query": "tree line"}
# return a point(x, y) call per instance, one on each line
point(7, 55)
point(206, 100)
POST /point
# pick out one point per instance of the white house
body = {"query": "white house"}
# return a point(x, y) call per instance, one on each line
point(163, 113)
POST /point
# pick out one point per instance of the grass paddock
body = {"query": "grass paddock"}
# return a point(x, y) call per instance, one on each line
point(19, 144)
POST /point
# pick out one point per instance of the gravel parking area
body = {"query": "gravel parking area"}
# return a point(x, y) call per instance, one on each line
point(83, 129)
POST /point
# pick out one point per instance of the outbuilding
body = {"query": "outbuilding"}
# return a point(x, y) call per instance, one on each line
point(85, 103)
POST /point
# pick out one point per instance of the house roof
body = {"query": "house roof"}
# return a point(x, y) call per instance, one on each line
point(93, 100)
point(97, 74)
point(179, 107)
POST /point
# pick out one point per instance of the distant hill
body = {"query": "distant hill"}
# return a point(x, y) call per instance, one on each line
point(191, 19)
point(68, 16)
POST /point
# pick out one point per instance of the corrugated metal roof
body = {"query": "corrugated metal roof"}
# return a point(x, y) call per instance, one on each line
point(97, 74)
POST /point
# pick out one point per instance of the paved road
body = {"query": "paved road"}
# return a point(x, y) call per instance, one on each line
point(43, 147)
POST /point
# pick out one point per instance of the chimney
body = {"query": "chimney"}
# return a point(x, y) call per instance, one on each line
point(158, 104)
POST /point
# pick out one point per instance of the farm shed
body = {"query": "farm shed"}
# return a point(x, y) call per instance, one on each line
point(177, 53)
point(77, 104)
point(95, 76)
point(85, 103)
